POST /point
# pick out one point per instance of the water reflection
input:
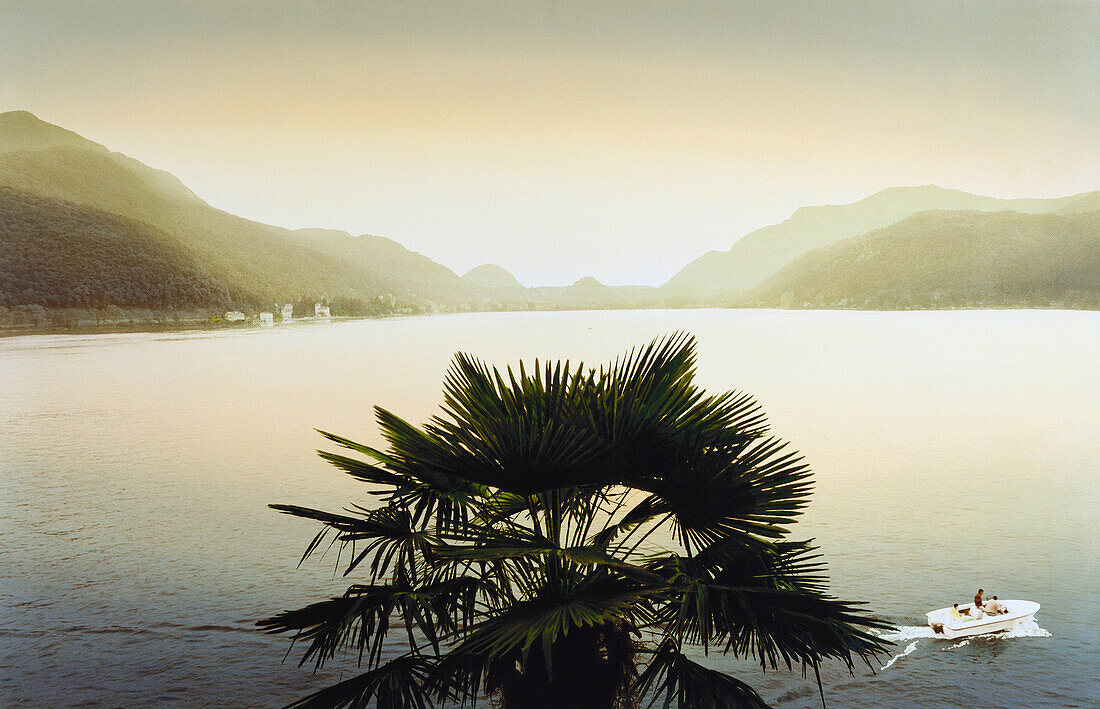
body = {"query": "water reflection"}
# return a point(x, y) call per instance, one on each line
point(952, 450)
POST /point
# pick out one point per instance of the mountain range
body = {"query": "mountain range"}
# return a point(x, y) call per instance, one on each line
point(256, 263)
point(490, 275)
point(949, 259)
point(758, 255)
point(84, 227)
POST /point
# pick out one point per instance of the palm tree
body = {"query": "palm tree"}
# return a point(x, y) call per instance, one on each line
point(554, 538)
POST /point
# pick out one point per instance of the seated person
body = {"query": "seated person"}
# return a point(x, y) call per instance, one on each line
point(977, 610)
point(995, 607)
point(963, 613)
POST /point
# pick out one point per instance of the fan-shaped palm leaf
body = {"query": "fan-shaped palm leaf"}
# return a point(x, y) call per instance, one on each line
point(688, 685)
point(521, 523)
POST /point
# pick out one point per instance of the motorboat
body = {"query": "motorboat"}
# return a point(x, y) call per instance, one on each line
point(951, 625)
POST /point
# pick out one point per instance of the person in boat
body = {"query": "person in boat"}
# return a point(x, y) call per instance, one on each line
point(962, 613)
point(976, 611)
point(995, 607)
point(979, 606)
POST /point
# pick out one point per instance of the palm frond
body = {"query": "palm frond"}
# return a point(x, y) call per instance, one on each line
point(649, 508)
point(387, 535)
point(360, 619)
point(516, 532)
point(581, 556)
point(402, 683)
point(545, 619)
point(765, 603)
point(688, 685)
point(757, 488)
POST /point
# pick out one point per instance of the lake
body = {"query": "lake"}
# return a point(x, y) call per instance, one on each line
point(951, 450)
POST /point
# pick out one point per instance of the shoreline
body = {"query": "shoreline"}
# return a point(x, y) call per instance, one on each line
point(136, 326)
point(152, 326)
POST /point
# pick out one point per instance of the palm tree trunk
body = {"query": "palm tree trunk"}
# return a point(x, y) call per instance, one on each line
point(590, 668)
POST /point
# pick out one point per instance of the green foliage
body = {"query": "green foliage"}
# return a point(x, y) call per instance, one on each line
point(950, 259)
point(490, 275)
point(718, 276)
point(63, 255)
point(253, 265)
point(390, 268)
point(187, 253)
point(552, 525)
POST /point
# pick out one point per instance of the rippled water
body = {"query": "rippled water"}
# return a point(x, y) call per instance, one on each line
point(952, 450)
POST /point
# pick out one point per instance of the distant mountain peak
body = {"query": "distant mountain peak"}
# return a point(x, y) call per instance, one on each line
point(758, 255)
point(948, 258)
point(490, 275)
point(18, 116)
point(318, 233)
point(904, 194)
point(911, 192)
point(339, 235)
point(925, 189)
point(22, 130)
point(588, 282)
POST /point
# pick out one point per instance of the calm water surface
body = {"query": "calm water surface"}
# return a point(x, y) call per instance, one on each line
point(952, 450)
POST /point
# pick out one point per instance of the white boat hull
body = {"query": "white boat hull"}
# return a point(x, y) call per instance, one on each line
point(945, 624)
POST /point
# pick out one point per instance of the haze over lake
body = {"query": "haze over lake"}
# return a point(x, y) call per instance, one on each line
point(952, 450)
point(231, 230)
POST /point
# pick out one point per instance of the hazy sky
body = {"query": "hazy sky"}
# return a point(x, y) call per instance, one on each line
point(619, 140)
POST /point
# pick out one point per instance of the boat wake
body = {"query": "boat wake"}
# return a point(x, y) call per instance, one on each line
point(907, 632)
point(1027, 629)
point(908, 649)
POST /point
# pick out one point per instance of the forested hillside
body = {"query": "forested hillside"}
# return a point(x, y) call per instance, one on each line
point(60, 254)
point(82, 227)
point(949, 259)
point(758, 255)
point(490, 275)
point(257, 263)
point(390, 266)
point(252, 265)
